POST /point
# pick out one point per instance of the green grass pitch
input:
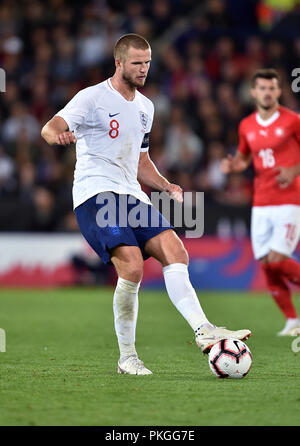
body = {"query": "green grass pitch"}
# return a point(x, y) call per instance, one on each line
point(61, 356)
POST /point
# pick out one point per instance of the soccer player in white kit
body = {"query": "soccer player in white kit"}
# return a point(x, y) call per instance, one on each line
point(110, 123)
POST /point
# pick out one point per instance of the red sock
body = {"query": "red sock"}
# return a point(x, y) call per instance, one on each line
point(279, 291)
point(290, 268)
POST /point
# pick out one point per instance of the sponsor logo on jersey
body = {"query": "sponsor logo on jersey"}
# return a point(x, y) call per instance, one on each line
point(144, 119)
point(111, 115)
point(263, 133)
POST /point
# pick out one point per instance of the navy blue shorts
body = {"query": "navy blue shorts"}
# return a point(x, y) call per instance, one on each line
point(107, 220)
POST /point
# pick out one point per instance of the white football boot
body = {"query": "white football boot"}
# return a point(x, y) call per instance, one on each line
point(292, 328)
point(133, 366)
point(206, 336)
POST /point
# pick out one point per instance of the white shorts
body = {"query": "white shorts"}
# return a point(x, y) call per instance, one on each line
point(275, 228)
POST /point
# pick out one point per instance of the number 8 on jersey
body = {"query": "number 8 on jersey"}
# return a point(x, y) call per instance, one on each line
point(114, 125)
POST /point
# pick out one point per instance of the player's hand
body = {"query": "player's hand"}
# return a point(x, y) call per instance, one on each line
point(227, 164)
point(65, 138)
point(285, 176)
point(175, 192)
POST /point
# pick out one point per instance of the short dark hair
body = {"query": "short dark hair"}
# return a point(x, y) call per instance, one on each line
point(129, 40)
point(265, 73)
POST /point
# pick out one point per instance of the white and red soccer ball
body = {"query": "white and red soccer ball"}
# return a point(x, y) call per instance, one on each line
point(230, 358)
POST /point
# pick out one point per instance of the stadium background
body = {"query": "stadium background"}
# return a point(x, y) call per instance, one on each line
point(204, 53)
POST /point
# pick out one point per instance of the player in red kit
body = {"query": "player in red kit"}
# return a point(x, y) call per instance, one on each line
point(270, 138)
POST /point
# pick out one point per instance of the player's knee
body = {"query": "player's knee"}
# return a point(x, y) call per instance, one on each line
point(133, 271)
point(264, 260)
point(274, 257)
point(129, 263)
point(182, 255)
point(136, 275)
point(177, 254)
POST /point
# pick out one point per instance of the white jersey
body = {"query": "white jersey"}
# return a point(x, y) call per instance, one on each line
point(111, 132)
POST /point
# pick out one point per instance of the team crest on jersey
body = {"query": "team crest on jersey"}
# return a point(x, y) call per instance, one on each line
point(279, 131)
point(144, 119)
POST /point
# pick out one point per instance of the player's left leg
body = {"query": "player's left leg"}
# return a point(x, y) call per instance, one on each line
point(287, 266)
point(169, 250)
point(282, 295)
point(274, 235)
point(278, 268)
point(286, 233)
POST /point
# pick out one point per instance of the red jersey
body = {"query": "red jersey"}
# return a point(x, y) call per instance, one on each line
point(273, 143)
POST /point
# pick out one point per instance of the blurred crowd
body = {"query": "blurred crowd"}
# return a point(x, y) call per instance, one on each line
point(204, 53)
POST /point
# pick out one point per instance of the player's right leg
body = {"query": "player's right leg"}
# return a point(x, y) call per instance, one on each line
point(118, 245)
point(129, 263)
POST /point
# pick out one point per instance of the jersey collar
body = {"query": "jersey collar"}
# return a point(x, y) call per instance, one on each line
point(267, 122)
point(112, 88)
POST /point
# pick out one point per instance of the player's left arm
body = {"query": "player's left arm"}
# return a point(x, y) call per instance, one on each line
point(286, 175)
point(149, 175)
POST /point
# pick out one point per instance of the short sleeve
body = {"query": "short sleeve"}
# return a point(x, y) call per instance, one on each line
point(77, 109)
point(243, 145)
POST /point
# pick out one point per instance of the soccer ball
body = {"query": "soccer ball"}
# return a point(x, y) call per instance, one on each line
point(230, 358)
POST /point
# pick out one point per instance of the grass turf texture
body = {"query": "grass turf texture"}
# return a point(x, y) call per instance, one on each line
point(61, 360)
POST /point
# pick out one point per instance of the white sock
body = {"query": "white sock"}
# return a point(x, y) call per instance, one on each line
point(183, 295)
point(292, 322)
point(125, 306)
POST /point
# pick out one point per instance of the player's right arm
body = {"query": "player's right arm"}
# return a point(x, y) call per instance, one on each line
point(242, 158)
point(56, 131)
point(238, 163)
point(59, 130)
